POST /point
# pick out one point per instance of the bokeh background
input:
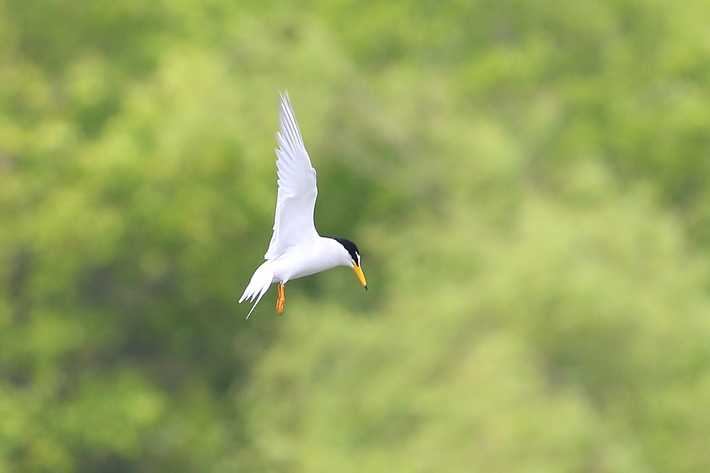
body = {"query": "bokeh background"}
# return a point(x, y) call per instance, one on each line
point(528, 182)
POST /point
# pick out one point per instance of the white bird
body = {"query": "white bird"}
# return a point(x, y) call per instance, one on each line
point(296, 249)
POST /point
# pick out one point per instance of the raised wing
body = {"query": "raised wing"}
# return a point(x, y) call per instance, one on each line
point(296, 198)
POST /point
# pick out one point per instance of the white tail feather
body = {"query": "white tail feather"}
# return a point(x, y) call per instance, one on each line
point(259, 284)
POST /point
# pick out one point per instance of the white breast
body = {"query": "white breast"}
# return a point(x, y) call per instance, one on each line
point(300, 261)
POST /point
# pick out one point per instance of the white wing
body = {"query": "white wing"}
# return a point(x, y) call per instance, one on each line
point(296, 198)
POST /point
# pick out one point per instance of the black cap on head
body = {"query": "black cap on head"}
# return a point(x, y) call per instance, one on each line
point(351, 247)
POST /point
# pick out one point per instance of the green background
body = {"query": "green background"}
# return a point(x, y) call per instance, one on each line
point(528, 182)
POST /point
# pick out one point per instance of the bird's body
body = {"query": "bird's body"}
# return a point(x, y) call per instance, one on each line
point(296, 249)
point(299, 261)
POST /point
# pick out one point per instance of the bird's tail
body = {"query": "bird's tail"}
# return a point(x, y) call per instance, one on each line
point(259, 284)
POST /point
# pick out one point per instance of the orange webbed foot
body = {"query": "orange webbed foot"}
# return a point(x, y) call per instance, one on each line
point(280, 301)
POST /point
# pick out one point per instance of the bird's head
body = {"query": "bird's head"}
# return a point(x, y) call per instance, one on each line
point(353, 258)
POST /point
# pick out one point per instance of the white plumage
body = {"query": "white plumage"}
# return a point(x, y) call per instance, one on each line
point(296, 249)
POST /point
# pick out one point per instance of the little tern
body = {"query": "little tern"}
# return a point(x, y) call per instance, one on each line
point(296, 249)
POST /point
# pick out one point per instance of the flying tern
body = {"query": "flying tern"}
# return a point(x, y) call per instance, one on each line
point(296, 249)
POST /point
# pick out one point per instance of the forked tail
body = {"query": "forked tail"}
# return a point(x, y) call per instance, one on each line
point(259, 284)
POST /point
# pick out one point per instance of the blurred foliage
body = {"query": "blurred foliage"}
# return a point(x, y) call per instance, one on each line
point(528, 182)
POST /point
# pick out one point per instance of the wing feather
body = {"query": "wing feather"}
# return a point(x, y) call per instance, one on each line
point(297, 187)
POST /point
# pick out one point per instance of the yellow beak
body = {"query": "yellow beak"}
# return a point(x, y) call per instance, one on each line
point(360, 276)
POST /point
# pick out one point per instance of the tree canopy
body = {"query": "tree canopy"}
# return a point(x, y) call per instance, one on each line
point(528, 182)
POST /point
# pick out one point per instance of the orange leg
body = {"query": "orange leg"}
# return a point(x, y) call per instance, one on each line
point(280, 301)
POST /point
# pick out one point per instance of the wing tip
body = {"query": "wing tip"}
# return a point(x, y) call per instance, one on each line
point(290, 131)
point(283, 96)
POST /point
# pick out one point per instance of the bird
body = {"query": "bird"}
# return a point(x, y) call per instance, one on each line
point(296, 249)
